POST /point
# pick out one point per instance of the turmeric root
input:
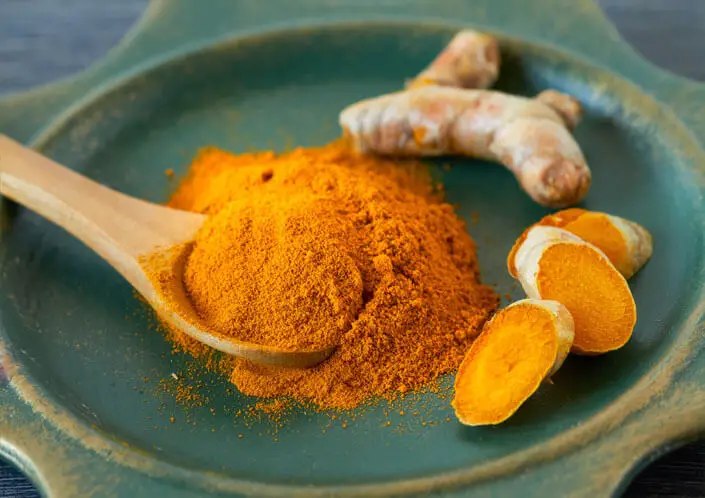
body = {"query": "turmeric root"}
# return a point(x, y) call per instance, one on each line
point(627, 244)
point(470, 60)
point(519, 347)
point(552, 263)
point(529, 136)
point(568, 107)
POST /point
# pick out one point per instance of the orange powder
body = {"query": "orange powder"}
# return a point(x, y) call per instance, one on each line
point(322, 246)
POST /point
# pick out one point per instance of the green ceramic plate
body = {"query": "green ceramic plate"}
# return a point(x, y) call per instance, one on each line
point(77, 413)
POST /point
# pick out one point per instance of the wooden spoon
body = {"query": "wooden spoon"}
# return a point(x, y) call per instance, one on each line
point(122, 229)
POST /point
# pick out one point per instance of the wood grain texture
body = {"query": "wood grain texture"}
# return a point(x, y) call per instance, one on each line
point(42, 40)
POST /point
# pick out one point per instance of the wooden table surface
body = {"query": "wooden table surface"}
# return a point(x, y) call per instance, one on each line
point(42, 40)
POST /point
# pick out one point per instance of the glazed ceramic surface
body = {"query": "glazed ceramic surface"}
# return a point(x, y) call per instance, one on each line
point(83, 411)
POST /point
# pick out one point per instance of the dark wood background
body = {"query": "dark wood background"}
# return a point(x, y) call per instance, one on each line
point(42, 40)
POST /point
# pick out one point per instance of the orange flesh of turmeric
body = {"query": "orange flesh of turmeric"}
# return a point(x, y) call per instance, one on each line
point(596, 295)
point(559, 219)
point(505, 365)
point(598, 230)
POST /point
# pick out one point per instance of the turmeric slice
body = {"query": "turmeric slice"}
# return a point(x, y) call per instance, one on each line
point(552, 263)
point(470, 60)
point(519, 347)
point(627, 244)
point(528, 136)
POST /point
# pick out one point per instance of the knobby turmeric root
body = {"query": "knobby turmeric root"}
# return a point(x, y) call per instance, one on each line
point(552, 263)
point(470, 60)
point(519, 347)
point(529, 136)
point(628, 245)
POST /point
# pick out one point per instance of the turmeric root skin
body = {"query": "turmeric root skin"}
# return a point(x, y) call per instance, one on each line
point(638, 244)
point(521, 346)
point(470, 60)
point(528, 136)
point(568, 107)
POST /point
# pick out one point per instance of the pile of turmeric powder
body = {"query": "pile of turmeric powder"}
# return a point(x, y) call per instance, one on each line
point(323, 246)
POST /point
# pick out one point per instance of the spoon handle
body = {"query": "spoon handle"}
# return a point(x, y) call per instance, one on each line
point(116, 226)
point(121, 228)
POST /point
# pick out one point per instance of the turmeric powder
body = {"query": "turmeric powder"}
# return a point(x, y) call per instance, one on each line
point(470, 60)
point(627, 244)
point(320, 245)
point(528, 136)
point(552, 263)
point(519, 347)
point(283, 274)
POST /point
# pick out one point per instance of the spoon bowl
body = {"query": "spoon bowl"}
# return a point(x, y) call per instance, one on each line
point(128, 233)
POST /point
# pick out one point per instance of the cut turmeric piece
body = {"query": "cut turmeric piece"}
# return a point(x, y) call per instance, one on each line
point(552, 263)
point(627, 244)
point(519, 347)
point(470, 60)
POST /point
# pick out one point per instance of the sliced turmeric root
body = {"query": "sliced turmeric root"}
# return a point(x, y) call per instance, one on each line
point(519, 347)
point(628, 245)
point(552, 263)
